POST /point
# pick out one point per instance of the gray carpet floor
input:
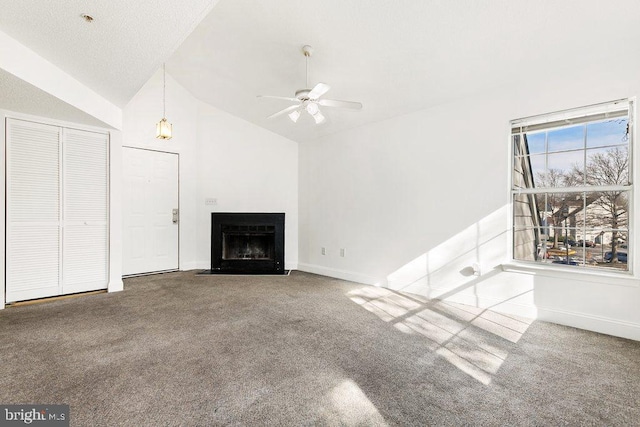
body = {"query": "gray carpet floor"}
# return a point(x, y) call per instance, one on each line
point(182, 349)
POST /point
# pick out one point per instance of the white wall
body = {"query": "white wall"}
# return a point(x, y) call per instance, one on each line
point(418, 199)
point(139, 130)
point(246, 169)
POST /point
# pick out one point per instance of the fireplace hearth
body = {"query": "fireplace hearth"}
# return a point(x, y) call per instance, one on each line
point(247, 243)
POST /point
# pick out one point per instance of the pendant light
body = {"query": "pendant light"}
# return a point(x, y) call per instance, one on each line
point(163, 127)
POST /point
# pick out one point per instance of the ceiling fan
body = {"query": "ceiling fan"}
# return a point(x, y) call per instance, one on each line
point(310, 100)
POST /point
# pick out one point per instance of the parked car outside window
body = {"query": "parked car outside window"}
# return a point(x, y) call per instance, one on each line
point(622, 256)
point(587, 243)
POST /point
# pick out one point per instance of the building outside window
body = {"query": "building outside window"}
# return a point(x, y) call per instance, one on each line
point(571, 187)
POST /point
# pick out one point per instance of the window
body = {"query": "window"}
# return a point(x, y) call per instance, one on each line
point(571, 187)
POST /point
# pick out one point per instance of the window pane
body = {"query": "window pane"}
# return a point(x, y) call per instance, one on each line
point(537, 169)
point(614, 251)
point(587, 244)
point(606, 210)
point(551, 217)
point(608, 166)
point(570, 138)
point(526, 169)
point(526, 209)
point(567, 165)
point(593, 216)
point(612, 132)
point(536, 142)
point(550, 178)
point(525, 244)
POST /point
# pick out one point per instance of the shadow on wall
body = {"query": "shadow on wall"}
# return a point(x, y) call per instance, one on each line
point(466, 268)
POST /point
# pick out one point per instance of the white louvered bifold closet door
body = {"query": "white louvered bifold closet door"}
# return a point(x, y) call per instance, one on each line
point(33, 211)
point(84, 212)
point(57, 210)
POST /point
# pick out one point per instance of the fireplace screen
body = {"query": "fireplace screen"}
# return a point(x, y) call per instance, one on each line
point(248, 242)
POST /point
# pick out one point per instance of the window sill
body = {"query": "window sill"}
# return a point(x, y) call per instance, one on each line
point(617, 279)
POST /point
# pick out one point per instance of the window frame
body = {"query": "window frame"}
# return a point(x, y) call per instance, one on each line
point(556, 120)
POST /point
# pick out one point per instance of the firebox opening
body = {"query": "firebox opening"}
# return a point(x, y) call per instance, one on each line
point(248, 242)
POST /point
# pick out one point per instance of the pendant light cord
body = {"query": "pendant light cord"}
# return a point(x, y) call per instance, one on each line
point(164, 90)
point(306, 57)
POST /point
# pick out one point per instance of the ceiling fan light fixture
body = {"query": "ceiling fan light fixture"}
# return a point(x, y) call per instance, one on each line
point(318, 117)
point(294, 115)
point(312, 108)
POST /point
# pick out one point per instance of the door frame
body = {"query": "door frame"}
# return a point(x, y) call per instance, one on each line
point(179, 210)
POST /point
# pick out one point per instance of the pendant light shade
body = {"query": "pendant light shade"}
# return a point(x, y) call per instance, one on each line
point(163, 127)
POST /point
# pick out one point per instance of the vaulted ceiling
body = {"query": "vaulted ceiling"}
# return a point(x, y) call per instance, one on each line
point(394, 56)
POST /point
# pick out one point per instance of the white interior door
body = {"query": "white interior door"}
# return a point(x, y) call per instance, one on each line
point(85, 232)
point(150, 232)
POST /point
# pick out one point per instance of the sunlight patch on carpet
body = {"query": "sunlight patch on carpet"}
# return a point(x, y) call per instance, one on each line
point(474, 340)
point(353, 406)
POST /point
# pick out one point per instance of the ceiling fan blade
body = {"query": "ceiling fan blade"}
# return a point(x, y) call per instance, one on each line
point(285, 111)
point(340, 104)
point(279, 97)
point(319, 90)
point(318, 117)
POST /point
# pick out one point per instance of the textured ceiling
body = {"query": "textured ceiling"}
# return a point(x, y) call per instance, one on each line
point(21, 97)
point(116, 53)
point(394, 56)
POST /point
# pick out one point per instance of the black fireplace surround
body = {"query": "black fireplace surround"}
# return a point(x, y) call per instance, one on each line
point(247, 243)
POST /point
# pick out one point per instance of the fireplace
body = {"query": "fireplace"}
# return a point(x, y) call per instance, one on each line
point(247, 243)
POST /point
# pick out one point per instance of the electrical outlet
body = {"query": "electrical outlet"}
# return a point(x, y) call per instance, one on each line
point(323, 251)
point(342, 252)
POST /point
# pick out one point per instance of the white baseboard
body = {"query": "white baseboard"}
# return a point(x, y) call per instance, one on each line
point(603, 325)
point(339, 274)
